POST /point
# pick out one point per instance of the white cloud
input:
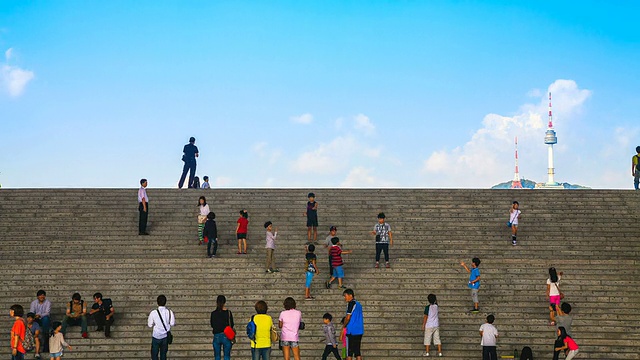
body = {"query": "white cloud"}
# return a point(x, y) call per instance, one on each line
point(361, 176)
point(364, 124)
point(12, 78)
point(333, 157)
point(302, 119)
point(487, 158)
point(262, 150)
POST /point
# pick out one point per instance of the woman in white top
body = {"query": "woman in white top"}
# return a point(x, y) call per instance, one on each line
point(202, 217)
point(553, 292)
point(514, 216)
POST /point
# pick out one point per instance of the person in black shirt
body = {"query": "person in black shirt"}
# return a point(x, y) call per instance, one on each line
point(190, 153)
point(102, 311)
point(210, 232)
point(221, 318)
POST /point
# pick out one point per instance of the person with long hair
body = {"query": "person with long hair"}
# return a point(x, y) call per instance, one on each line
point(568, 342)
point(221, 320)
point(553, 293)
point(202, 217)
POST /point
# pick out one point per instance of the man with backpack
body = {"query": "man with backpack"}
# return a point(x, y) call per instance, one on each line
point(76, 315)
point(635, 168)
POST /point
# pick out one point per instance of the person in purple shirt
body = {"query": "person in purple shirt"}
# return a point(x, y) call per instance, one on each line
point(143, 207)
point(42, 308)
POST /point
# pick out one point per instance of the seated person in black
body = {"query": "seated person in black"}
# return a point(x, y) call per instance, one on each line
point(102, 311)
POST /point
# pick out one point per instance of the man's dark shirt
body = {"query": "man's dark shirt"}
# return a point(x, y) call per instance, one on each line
point(190, 152)
point(105, 308)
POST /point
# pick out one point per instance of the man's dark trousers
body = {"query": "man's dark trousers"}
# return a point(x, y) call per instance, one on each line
point(144, 215)
point(159, 346)
point(103, 323)
point(489, 353)
point(189, 166)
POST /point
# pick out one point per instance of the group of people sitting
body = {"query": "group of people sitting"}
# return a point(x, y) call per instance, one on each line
point(42, 328)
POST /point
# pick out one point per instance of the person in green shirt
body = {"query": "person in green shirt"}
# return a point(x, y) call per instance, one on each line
point(635, 170)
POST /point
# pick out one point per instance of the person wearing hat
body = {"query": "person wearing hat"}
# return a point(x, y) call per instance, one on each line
point(327, 244)
point(189, 155)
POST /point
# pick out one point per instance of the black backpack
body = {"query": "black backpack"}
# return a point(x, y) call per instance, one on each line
point(526, 353)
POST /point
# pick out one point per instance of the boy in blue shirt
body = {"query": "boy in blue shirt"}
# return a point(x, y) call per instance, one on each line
point(354, 323)
point(474, 281)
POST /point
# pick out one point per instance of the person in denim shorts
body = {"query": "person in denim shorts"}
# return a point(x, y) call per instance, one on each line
point(289, 322)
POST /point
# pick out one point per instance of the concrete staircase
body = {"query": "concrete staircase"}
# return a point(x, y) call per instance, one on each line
point(86, 240)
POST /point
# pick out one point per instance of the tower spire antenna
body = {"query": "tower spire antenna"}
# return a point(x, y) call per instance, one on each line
point(516, 183)
point(550, 113)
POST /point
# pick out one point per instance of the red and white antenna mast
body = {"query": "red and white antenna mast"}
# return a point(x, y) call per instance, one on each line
point(516, 183)
point(550, 114)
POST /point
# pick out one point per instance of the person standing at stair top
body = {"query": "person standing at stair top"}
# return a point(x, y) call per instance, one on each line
point(241, 231)
point(18, 332)
point(210, 233)
point(221, 318)
point(289, 321)
point(553, 293)
point(489, 335)
point(635, 168)
point(76, 315)
point(202, 217)
point(271, 247)
point(514, 217)
point(160, 320)
point(42, 308)
point(312, 218)
point(384, 239)
point(354, 323)
point(474, 281)
point(261, 347)
point(327, 244)
point(33, 326)
point(143, 207)
point(205, 182)
point(102, 311)
point(189, 155)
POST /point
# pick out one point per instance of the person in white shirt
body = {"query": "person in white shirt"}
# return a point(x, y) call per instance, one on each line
point(143, 207)
point(161, 320)
point(202, 217)
point(489, 335)
point(514, 217)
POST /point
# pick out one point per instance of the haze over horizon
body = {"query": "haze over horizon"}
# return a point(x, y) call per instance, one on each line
point(316, 94)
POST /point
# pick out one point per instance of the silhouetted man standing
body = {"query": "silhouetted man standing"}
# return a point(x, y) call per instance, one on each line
point(190, 153)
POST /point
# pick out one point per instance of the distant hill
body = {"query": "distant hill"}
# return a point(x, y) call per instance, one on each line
point(530, 184)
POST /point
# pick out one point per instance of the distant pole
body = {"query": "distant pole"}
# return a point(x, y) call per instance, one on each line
point(516, 183)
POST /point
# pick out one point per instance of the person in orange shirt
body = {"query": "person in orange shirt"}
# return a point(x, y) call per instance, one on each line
point(18, 332)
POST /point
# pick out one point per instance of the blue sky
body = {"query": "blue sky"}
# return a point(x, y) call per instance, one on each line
point(316, 94)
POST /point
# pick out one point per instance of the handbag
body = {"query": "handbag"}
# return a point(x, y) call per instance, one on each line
point(302, 325)
point(169, 335)
point(274, 334)
point(561, 294)
point(229, 332)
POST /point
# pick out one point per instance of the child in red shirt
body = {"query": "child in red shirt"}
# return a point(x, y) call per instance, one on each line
point(241, 231)
point(18, 332)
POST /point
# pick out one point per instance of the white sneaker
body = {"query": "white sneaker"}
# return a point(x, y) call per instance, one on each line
point(425, 354)
point(440, 354)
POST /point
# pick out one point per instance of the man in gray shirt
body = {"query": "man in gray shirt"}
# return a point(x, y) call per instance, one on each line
point(563, 319)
